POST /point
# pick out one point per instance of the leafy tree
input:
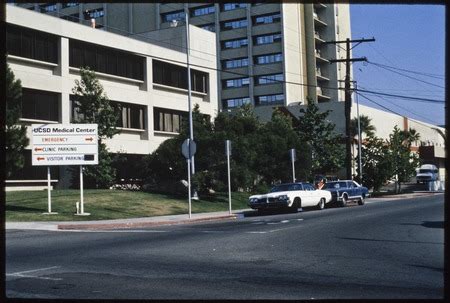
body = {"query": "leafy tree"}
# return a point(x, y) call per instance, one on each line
point(93, 106)
point(15, 134)
point(327, 154)
point(366, 126)
point(403, 160)
point(376, 162)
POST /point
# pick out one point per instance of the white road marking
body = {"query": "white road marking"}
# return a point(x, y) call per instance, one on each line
point(285, 221)
point(212, 231)
point(256, 232)
point(299, 219)
point(255, 223)
point(21, 274)
point(114, 231)
point(39, 269)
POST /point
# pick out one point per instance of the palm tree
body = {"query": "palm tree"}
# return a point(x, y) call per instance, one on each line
point(366, 126)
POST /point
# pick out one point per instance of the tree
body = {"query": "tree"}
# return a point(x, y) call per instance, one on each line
point(93, 106)
point(377, 166)
point(365, 124)
point(403, 160)
point(15, 134)
point(313, 128)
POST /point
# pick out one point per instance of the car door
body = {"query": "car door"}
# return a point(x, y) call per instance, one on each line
point(357, 191)
point(311, 194)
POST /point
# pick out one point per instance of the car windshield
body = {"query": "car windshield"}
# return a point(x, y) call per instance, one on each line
point(425, 171)
point(331, 185)
point(284, 187)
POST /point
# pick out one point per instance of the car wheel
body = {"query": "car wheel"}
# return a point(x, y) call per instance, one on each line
point(321, 204)
point(296, 205)
point(361, 200)
point(344, 200)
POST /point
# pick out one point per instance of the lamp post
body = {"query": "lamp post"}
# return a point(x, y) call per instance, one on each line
point(174, 23)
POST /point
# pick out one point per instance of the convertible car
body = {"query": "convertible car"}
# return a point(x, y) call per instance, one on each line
point(292, 196)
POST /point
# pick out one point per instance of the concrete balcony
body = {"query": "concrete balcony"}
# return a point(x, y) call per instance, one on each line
point(234, 14)
point(170, 7)
point(267, 48)
point(265, 9)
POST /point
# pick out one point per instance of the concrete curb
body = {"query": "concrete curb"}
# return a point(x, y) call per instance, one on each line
point(119, 225)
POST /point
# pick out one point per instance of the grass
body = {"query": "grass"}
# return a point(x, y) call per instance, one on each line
point(23, 206)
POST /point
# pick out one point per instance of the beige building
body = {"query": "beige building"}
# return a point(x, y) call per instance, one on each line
point(146, 81)
point(268, 53)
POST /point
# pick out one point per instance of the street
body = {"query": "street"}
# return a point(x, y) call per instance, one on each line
point(382, 250)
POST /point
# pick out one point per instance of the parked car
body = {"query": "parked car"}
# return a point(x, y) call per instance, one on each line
point(427, 173)
point(292, 196)
point(346, 190)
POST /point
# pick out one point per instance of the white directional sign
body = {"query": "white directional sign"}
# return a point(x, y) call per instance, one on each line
point(64, 144)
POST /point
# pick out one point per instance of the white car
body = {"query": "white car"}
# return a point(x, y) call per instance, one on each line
point(291, 195)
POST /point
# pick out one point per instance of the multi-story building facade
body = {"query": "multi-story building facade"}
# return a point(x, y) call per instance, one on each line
point(268, 53)
point(147, 82)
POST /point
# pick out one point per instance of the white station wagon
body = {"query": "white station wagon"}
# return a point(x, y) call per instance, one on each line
point(291, 195)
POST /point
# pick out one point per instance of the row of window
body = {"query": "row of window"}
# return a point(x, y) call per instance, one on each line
point(258, 40)
point(94, 14)
point(242, 62)
point(105, 60)
point(201, 11)
point(52, 7)
point(174, 75)
point(239, 23)
point(259, 80)
point(259, 100)
point(43, 105)
point(31, 44)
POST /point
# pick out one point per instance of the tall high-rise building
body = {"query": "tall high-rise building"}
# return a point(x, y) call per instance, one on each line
point(267, 53)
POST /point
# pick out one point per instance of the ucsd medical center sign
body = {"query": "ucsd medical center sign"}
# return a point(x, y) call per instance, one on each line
point(64, 144)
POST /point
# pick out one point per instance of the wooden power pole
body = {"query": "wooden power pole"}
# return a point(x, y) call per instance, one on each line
point(348, 98)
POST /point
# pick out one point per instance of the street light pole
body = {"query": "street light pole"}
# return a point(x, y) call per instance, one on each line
point(191, 126)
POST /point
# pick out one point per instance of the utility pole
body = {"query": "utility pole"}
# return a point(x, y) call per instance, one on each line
point(348, 97)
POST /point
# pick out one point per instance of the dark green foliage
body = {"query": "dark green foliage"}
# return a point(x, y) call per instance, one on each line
point(365, 124)
point(403, 160)
point(95, 107)
point(15, 134)
point(315, 131)
point(377, 167)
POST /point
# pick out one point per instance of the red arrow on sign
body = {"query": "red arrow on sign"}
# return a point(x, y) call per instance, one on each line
point(89, 139)
point(39, 158)
point(38, 149)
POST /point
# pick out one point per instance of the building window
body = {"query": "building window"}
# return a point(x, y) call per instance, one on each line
point(234, 43)
point(205, 10)
point(235, 63)
point(28, 43)
point(233, 24)
point(240, 82)
point(174, 75)
point(236, 102)
point(267, 39)
point(233, 6)
point(178, 15)
point(72, 17)
point(69, 4)
point(105, 60)
point(269, 99)
point(94, 14)
point(267, 59)
point(266, 19)
point(48, 7)
point(167, 120)
point(269, 79)
point(40, 105)
point(131, 115)
point(209, 27)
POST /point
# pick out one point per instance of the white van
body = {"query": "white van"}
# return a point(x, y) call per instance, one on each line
point(427, 173)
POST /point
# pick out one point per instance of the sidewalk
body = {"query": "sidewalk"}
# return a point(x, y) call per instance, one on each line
point(127, 223)
point(166, 220)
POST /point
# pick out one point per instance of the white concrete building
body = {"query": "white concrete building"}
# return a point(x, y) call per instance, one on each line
point(147, 81)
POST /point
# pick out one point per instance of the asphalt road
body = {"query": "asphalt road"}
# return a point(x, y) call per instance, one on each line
point(392, 249)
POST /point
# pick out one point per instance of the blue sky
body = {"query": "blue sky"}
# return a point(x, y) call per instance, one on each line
point(410, 37)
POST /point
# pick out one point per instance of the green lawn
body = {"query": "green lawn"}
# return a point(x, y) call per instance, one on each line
point(110, 204)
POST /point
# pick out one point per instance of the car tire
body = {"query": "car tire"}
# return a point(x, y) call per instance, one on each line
point(296, 205)
point(321, 204)
point(344, 200)
point(361, 200)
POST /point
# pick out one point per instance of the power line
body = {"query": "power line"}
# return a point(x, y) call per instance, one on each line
point(406, 109)
point(436, 76)
point(393, 71)
point(388, 109)
point(401, 96)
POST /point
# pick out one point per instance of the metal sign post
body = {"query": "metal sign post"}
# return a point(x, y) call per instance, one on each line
point(188, 149)
point(293, 158)
point(228, 153)
point(49, 193)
